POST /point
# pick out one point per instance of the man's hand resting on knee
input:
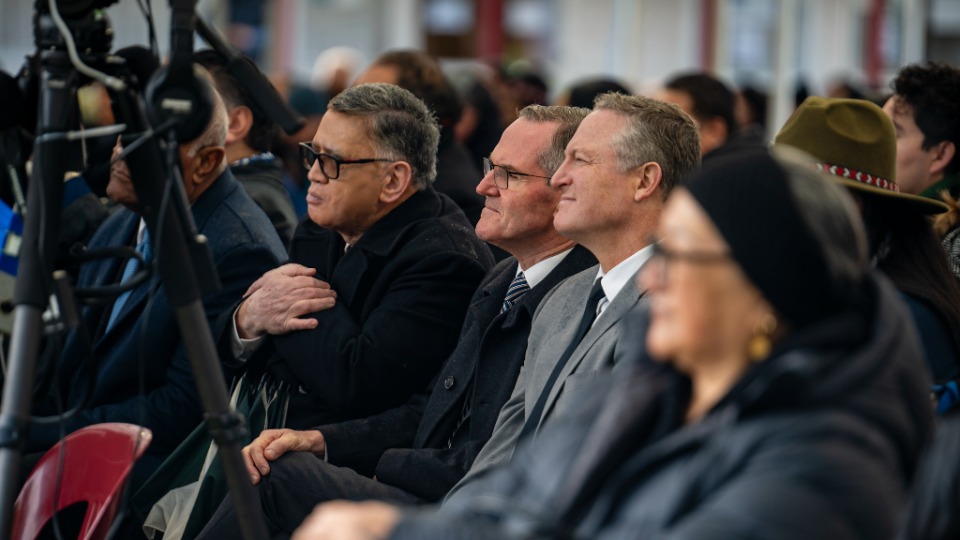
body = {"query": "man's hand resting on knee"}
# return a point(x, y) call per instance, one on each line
point(273, 443)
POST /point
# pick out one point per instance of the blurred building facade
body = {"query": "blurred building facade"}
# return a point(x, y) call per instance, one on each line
point(773, 44)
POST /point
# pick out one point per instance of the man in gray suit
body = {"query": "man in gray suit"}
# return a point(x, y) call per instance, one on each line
point(618, 169)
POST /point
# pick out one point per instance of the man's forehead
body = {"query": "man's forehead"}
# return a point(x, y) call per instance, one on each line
point(596, 130)
point(340, 132)
point(522, 142)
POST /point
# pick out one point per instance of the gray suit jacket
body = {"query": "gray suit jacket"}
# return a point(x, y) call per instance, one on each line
point(554, 325)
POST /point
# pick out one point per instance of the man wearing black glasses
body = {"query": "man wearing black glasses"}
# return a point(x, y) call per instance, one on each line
point(380, 274)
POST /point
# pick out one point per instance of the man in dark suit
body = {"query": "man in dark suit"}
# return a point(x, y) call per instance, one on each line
point(250, 135)
point(382, 272)
point(418, 450)
point(133, 360)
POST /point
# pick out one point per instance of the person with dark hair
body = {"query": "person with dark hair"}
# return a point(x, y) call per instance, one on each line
point(479, 128)
point(420, 74)
point(381, 273)
point(854, 141)
point(750, 112)
point(415, 452)
point(584, 93)
point(250, 136)
point(926, 114)
point(781, 396)
point(711, 103)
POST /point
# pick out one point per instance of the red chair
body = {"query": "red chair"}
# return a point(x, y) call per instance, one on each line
point(96, 461)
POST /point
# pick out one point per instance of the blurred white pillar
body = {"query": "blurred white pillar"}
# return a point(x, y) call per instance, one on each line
point(403, 25)
point(781, 102)
point(913, 15)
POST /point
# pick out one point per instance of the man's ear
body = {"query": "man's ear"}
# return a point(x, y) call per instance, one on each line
point(241, 120)
point(208, 160)
point(943, 153)
point(398, 177)
point(647, 180)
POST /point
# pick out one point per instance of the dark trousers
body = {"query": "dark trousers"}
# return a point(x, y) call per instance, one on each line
point(297, 482)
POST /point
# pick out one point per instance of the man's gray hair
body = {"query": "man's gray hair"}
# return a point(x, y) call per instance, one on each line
point(658, 132)
point(216, 132)
point(567, 120)
point(830, 215)
point(401, 126)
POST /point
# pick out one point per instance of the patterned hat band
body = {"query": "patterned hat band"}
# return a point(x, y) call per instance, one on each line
point(862, 177)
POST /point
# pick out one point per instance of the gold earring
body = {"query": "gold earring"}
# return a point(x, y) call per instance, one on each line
point(759, 346)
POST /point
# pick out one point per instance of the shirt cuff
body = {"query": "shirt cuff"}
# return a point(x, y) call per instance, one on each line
point(242, 348)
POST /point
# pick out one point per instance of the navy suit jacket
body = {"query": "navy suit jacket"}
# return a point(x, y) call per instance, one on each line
point(408, 444)
point(244, 245)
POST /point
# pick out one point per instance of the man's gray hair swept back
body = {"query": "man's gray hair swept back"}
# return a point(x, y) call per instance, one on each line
point(400, 124)
point(567, 118)
point(658, 132)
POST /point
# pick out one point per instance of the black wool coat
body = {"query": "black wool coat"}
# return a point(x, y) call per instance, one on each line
point(402, 292)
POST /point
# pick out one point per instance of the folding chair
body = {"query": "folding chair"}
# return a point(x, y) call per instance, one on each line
point(96, 461)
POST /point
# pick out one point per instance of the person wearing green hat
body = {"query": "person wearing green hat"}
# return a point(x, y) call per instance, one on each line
point(855, 142)
point(926, 114)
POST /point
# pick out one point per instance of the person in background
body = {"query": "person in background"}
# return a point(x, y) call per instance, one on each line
point(855, 142)
point(250, 136)
point(711, 103)
point(420, 73)
point(926, 115)
point(782, 395)
point(585, 92)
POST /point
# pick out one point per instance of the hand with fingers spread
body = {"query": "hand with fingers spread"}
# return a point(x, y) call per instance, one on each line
point(273, 443)
point(277, 302)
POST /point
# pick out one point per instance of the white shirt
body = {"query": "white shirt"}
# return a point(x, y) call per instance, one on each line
point(539, 271)
point(616, 279)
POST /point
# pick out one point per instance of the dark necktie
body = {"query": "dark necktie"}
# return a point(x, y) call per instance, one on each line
point(518, 287)
point(589, 315)
point(144, 249)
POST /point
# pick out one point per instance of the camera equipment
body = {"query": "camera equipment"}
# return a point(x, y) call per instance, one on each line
point(73, 40)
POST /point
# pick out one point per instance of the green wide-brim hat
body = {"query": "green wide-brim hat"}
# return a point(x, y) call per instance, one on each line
point(854, 141)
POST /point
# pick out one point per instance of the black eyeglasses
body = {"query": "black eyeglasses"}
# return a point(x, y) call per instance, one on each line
point(501, 175)
point(329, 165)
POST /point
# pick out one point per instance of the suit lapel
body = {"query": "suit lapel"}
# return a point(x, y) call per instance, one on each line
point(484, 316)
point(625, 300)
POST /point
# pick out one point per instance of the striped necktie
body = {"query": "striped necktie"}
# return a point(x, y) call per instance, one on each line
point(518, 287)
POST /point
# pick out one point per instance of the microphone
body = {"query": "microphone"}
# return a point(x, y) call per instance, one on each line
point(253, 81)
